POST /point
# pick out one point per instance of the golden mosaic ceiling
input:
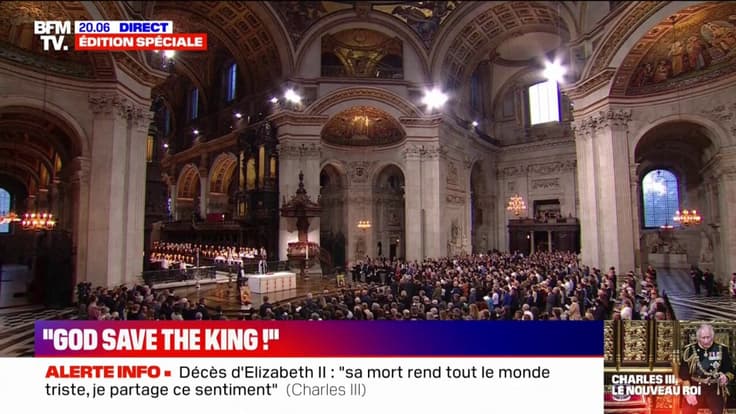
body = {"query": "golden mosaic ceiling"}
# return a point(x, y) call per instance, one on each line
point(362, 126)
point(695, 45)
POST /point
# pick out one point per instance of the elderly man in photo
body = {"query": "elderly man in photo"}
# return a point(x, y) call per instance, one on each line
point(706, 364)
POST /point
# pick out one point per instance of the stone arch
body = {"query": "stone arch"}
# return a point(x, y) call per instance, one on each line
point(334, 228)
point(221, 172)
point(187, 185)
point(389, 210)
point(349, 19)
point(397, 105)
point(633, 23)
point(687, 149)
point(667, 45)
point(717, 135)
point(73, 128)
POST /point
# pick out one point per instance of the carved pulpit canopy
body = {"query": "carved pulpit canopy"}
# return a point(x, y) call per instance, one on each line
point(300, 205)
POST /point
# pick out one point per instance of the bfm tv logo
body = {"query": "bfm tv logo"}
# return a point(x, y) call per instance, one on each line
point(52, 33)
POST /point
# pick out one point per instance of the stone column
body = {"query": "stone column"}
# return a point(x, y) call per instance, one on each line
point(139, 120)
point(549, 241)
point(614, 190)
point(432, 182)
point(588, 197)
point(727, 201)
point(204, 192)
point(173, 195)
point(414, 243)
point(635, 216)
point(531, 240)
point(80, 211)
point(117, 183)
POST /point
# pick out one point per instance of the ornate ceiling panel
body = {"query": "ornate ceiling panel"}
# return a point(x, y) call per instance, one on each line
point(423, 17)
point(696, 45)
point(490, 28)
point(362, 126)
point(20, 45)
point(232, 24)
point(298, 16)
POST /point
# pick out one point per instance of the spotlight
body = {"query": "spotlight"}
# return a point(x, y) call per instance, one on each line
point(170, 54)
point(195, 132)
point(434, 99)
point(274, 100)
point(238, 115)
point(554, 71)
point(166, 145)
point(475, 124)
point(292, 96)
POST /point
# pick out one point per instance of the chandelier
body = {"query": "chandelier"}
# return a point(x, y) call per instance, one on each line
point(687, 217)
point(364, 224)
point(516, 205)
point(38, 221)
point(6, 218)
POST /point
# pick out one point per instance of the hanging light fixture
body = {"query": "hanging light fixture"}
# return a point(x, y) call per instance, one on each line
point(516, 205)
point(38, 221)
point(364, 224)
point(687, 217)
point(8, 217)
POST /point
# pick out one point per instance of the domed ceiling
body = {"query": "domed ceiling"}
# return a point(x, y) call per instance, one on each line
point(696, 45)
point(362, 126)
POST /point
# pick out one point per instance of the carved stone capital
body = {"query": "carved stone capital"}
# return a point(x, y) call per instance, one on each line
point(455, 199)
point(591, 125)
point(412, 152)
point(115, 104)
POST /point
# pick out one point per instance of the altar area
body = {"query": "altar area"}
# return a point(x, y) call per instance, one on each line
point(271, 282)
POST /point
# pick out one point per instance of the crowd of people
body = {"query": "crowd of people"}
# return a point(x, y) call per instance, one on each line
point(170, 254)
point(496, 286)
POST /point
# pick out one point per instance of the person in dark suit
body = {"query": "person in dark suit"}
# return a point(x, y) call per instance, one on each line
point(697, 276)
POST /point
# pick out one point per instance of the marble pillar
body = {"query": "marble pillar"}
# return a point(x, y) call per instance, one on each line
point(615, 209)
point(727, 201)
point(588, 198)
point(635, 216)
point(117, 183)
point(204, 193)
point(80, 181)
point(414, 243)
point(605, 190)
point(138, 123)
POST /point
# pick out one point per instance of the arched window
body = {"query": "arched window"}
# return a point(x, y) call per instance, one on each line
point(544, 103)
point(661, 198)
point(4, 208)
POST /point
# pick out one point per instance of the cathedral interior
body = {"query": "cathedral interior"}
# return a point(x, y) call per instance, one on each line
point(410, 130)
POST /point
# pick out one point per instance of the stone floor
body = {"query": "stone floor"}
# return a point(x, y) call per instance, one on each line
point(13, 281)
point(686, 305)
